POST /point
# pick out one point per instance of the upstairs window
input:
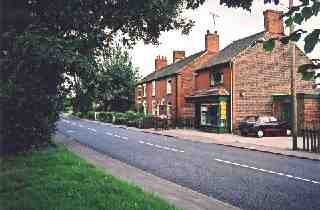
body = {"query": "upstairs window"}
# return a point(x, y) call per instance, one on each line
point(216, 78)
point(144, 90)
point(139, 91)
point(169, 86)
point(154, 88)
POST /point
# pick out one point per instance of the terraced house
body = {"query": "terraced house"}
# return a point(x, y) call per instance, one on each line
point(162, 93)
point(238, 81)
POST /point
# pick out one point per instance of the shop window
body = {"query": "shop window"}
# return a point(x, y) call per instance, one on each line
point(169, 86)
point(216, 78)
point(209, 114)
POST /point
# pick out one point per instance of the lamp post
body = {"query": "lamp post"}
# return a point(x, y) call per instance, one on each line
point(294, 111)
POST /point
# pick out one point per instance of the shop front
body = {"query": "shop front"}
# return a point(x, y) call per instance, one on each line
point(212, 112)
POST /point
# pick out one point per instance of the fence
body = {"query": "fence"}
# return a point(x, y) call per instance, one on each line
point(165, 124)
point(311, 137)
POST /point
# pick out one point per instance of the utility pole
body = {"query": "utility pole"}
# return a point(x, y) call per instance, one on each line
point(294, 110)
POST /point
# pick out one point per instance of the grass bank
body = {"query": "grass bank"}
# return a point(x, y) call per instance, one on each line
point(56, 179)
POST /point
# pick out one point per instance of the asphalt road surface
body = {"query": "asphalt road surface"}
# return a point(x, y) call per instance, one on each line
point(243, 178)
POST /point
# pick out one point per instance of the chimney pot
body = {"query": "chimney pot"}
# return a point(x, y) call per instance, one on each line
point(178, 55)
point(160, 62)
point(212, 42)
point(273, 21)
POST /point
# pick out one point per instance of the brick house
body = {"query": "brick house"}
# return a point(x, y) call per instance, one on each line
point(162, 93)
point(221, 87)
point(243, 79)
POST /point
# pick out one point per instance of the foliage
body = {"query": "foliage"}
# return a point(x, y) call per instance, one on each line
point(105, 116)
point(42, 41)
point(296, 15)
point(115, 80)
point(57, 179)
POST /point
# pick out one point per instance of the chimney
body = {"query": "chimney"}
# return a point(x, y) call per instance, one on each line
point(178, 55)
point(160, 62)
point(273, 21)
point(212, 42)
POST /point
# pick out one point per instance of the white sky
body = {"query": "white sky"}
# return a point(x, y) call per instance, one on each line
point(231, 25)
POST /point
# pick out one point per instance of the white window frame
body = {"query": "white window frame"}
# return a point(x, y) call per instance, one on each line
point(153, 88)
point(169, 86)
point(144, 90)
point(212, 79)
point(154, 107)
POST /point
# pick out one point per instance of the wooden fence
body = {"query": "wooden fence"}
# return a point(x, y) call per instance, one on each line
point(311, 137)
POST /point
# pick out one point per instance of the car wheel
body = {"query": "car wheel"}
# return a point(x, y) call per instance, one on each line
point(288, 132)
point(260, 133)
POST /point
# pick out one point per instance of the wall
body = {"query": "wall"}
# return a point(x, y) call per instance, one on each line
point(259, 75)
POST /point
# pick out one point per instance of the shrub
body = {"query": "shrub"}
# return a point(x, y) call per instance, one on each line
point(91, 115)
point(105, 116)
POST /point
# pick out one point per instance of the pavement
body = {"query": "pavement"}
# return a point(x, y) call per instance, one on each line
point(178, 196)
point(243, 178)
point(275, 145)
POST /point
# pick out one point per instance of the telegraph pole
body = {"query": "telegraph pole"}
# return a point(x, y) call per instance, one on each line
point(294, 110)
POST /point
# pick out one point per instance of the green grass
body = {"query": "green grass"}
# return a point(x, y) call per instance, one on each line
point(56, 179)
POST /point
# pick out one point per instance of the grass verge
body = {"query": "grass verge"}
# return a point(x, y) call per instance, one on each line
point(56, 179)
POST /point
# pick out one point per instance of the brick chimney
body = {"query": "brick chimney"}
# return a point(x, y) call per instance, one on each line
point(212, 42)
point(178, 55)
point(160, 62)
point(273, 21)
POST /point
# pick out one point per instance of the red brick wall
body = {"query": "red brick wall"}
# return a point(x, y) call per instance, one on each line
point(260, 75)
point(203, 83)
point(311, 111)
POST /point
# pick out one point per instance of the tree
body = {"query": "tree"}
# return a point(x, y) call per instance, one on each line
point(44, 40)
point(116, 80)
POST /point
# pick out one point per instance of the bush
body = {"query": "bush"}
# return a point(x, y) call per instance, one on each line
point(91, 115)
point(105, 116)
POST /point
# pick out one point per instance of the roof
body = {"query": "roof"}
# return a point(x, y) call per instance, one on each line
point(232, 50)
point(215, 91)
point(170, 69)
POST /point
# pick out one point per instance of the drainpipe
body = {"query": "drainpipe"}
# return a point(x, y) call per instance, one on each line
point(231, 96)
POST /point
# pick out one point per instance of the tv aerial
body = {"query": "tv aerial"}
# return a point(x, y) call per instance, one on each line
point(214, 17)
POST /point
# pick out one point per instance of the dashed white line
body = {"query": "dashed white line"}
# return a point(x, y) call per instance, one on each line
point(108, 133)
point(81, 126)
point(91, 129)
point(161, 147)
point(124, 137)
point(267, 171)
point(115, 135)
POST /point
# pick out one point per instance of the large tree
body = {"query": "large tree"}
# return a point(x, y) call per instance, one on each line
point(42, 40)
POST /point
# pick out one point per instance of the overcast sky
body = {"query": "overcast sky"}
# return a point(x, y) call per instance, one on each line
point(231, 25)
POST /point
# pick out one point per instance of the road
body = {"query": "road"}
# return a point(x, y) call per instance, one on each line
point(243, 178)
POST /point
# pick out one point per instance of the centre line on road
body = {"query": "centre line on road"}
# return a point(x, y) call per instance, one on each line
point(91, 129)
point(267, 171)
point(161, 147)
point(108, 133)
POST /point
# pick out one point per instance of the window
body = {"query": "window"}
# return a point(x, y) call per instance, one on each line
point(169, 86)
point(144, 90)
point(139, 91)
point(169, 110)
point(154, 88)
point(154, 107)
point(216, 78)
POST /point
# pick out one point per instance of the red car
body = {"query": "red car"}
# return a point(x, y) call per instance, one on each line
point(264, 126)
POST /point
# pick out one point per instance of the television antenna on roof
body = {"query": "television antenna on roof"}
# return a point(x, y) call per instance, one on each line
point(214, 17)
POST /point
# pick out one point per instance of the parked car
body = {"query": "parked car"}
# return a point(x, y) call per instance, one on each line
point(264, 126)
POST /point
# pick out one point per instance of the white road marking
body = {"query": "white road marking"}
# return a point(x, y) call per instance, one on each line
point(91, 129)
point(161, 147)
point(70, 131)
point(108, 133)
point(81, 126)
point(124, 137)
point(267, 171)
point(115, 135)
